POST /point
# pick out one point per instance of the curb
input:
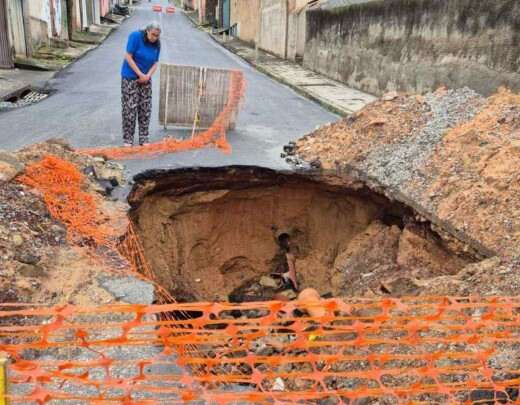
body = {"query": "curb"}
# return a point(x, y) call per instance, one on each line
point(279, 79)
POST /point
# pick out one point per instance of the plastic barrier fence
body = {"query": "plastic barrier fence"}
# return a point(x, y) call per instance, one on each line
point(214, 135)
point(427, 350)
point(409, 351)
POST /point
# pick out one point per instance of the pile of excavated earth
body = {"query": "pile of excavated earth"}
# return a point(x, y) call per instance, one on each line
point(454, 157)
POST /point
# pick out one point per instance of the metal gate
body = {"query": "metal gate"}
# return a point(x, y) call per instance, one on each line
point(6, 57)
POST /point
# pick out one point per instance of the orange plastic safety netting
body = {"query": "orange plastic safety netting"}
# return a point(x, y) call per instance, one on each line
point(63, 188)
point(420, 350)
point(89, 224)
point(215, 135)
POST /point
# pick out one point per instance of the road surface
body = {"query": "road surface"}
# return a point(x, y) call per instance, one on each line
point(85, 110)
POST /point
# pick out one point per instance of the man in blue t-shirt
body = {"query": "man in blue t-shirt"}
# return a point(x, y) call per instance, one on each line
point(141, 62)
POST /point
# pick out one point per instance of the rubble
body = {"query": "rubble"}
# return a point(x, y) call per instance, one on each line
point(10, 167)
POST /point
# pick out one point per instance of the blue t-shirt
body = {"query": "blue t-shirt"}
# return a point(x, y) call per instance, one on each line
point(145, 55)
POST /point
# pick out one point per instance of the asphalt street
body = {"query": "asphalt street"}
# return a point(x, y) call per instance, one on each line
point(85, 109)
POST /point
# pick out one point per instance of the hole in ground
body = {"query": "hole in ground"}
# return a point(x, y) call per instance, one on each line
point(229, 233)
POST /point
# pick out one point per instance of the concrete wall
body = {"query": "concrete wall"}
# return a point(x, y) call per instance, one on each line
point(16, 27)
point(296, 29)
point(105, 7)
point(75, 14)
point(39, 21)
point(274, 27)
point(417, 45)
point(245, 14)
point(207, 11)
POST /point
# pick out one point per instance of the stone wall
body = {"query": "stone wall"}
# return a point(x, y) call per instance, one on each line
point(417, 45)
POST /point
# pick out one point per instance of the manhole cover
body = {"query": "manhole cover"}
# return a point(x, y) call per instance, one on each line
point(25, 98)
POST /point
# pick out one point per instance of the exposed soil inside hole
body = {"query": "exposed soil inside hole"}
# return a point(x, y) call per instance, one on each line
point(216, 234)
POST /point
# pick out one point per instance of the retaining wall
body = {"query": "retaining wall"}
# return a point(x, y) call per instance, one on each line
point(417, 45)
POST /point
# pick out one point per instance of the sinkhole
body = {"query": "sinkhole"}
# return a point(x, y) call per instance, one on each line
point(229, 233)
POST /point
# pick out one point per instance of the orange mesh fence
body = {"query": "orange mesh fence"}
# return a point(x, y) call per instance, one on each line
point(213, 136)
point(409, 351)
point(63, 188)
point(427, 350)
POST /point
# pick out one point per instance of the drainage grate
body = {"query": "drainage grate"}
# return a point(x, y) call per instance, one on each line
point(23, 99)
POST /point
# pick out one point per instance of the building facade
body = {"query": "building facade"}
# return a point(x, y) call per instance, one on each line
point(26, 25)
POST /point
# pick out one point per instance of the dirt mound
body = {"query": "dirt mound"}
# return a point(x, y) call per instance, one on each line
point(38, 265)
point(454, 156)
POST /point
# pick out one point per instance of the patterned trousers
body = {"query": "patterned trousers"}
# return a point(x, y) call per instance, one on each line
point(136, 101)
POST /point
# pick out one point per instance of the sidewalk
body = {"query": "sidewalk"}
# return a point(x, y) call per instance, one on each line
point(331, 94)
point(46, 61)
point(13, 81)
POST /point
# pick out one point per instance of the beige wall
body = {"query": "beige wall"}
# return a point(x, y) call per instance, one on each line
point(274, 27)
point(245, 14)
point(296, 29)
point(283, 25)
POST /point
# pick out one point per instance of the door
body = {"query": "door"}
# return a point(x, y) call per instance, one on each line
point(226, 14)
point(6, 57)
point(16, 26)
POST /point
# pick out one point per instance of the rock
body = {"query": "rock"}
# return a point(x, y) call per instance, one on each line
point(114, 175)
point(26, 258)
point(59, 231)
point(403, 287)
point(392, 95)
point(105, 187)
point(10, 167)
point(30, 270)
point(24, 284)
point(316, 163)
point(17, 239)
point(130, 290)
point(60, 142)
point(289, 294)
point(278, 385)
point(268, 282)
